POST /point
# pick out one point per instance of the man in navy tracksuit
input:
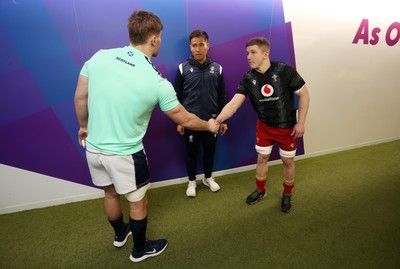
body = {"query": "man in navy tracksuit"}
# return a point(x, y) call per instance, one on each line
point(200, 88)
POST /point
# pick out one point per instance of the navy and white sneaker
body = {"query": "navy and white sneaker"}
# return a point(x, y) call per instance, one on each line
point(151, 249)
point(120, 240)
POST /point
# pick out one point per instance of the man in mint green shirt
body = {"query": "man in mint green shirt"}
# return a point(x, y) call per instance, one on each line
point(116, 93)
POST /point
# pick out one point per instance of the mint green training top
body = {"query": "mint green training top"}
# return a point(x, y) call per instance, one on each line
point(124, 88)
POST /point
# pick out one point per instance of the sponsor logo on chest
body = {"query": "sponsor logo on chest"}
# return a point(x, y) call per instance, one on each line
point(267, 90)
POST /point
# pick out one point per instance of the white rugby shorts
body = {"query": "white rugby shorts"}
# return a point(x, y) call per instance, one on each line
point(126, 172)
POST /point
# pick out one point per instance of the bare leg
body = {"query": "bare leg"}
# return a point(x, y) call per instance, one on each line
point(112, 204)
point(262, 166)
point(288, 168)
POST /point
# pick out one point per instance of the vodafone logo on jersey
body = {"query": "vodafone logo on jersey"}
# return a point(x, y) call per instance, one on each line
point(267, 90)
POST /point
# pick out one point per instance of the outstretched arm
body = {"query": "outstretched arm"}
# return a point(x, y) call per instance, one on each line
point(231, 107)
point(190, 121)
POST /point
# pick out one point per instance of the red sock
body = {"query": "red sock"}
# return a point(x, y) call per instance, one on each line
point(288, 186)
point(261, 184)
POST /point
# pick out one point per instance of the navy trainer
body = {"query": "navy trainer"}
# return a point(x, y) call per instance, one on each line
point(151, 249)
point(120, 240)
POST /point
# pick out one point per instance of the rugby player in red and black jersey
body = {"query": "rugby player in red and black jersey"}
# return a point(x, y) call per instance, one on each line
point(271, 87)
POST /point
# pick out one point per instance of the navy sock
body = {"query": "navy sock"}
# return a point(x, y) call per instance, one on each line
point(138, 228)
point(118, 225)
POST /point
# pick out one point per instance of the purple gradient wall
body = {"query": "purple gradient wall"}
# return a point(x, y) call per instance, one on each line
point(43, 45)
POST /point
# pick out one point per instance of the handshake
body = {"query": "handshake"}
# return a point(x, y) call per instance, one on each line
point(214, 125)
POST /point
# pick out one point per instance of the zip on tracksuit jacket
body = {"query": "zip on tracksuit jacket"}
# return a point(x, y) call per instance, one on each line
point(200, 88)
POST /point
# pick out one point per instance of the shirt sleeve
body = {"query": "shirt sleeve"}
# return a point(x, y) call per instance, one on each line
point(167, 99)
point(84, 71)
point(243, 86)
point(295, 80)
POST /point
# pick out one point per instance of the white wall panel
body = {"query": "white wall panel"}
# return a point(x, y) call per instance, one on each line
point(354, 88)
point(18, 194)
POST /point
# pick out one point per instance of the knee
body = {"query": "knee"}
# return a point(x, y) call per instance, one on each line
point(288, 162)
point(262, 158)
point(138, 210)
